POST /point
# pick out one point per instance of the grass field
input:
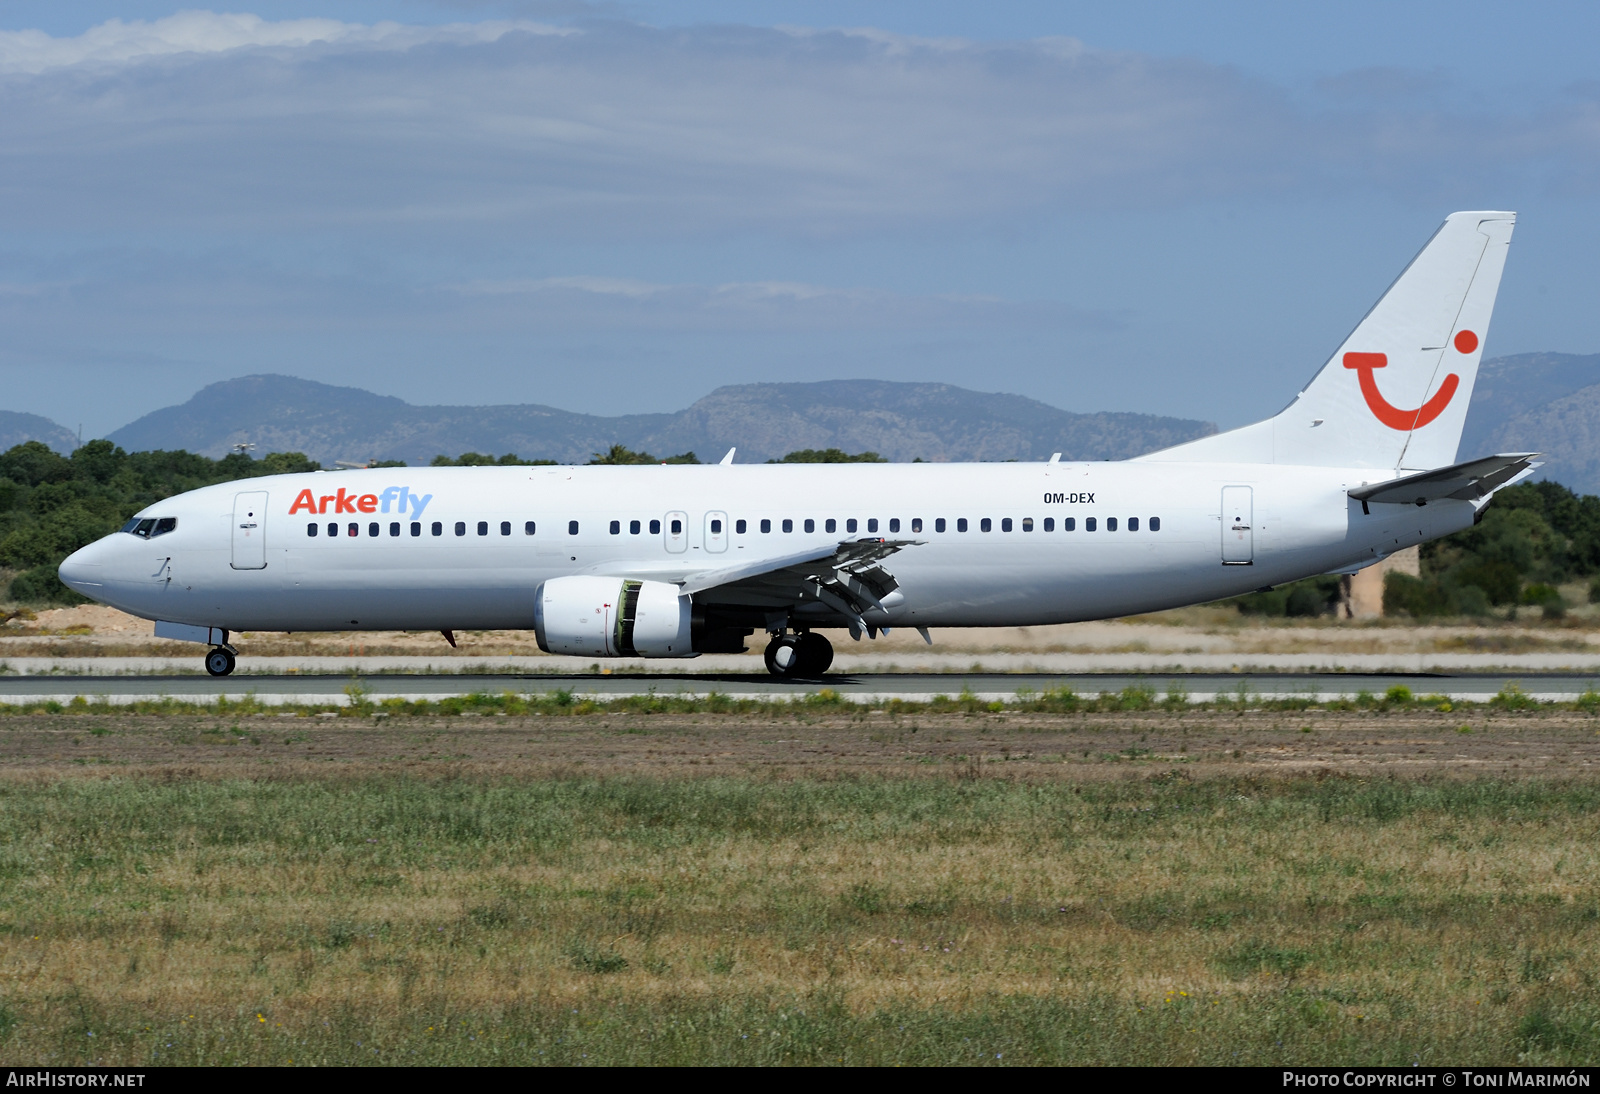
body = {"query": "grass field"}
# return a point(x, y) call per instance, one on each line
point(1136, 913)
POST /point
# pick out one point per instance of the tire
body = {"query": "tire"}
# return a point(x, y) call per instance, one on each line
point(816, 654)
point(783, 656)
point(219, 662)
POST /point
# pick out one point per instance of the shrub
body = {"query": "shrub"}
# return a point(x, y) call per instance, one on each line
point(42, 585)
point(1305, 601)
point(1413, 596)
point(1499, 581)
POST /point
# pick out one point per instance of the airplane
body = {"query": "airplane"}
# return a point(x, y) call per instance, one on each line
point(674, 561)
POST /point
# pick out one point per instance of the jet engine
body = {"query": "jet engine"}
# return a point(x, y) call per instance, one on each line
point(612, 617)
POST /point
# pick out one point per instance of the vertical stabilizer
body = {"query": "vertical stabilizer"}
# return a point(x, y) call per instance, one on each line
point(1395, 394)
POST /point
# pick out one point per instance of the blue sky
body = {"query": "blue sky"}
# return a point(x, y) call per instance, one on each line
point(617, 207)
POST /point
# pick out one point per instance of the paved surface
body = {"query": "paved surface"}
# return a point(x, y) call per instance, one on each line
point(861, 687)
point(849, 659)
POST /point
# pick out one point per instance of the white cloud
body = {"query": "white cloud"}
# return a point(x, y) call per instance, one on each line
point(249, 125)
point(606, 303)
point(204, 32)
point(603, 286)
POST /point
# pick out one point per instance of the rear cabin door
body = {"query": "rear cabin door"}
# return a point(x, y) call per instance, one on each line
point(1238, 537)
point(249, 530)
point(675, 531)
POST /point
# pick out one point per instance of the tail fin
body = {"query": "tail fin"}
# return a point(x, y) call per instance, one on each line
point(1395, 395)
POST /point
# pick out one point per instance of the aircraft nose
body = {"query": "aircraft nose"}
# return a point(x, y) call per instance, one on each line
point(83, 571)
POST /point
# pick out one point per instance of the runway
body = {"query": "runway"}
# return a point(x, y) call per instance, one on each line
point(857, 687)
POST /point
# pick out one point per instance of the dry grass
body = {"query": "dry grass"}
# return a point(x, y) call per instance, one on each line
point(1140, 916)
point(90, 630)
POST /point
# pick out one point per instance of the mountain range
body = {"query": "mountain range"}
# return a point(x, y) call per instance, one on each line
point(902, 421)
point(1540, 402)
point(16, 428)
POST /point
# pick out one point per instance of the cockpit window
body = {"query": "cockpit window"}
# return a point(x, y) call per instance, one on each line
point(145, 527)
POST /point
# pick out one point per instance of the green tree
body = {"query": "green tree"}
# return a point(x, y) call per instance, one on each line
point(829, 455)
point(478, 459)
point(618, 455)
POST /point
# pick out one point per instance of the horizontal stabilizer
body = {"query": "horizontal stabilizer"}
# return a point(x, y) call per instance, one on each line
point(1468, 481)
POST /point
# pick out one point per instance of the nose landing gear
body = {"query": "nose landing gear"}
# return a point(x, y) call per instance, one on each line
point(219, 661)
point(799, 656)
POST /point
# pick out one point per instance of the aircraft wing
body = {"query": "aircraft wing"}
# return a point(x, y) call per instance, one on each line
point(1470, 481)
point(848, 578)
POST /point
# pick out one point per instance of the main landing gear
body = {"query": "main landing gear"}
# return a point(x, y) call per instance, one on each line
point(799, 656)
point(219, 661)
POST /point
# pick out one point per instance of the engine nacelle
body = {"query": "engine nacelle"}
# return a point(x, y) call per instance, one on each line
point(612, 617)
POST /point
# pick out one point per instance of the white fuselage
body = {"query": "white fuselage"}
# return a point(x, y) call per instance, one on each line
point(394, 573)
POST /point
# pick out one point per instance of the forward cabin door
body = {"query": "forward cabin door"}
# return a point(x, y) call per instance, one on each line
point(1238, 537)
point(716, 538)
point(249, 530)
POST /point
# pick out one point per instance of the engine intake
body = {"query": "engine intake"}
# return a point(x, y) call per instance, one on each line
point(612, 617)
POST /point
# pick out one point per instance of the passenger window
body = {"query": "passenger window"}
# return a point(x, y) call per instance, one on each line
point(311, 530)
point(373, 529)
point(483, 527)
point(766, 526)
point(572, 527)
point(416, 528)
point(655, 528)
point(985, 525)
point(1049, 524)
point(916, 525)
point(811, 525)
point(333, 530)
point(1088, 524)
point(788, 525)
point(716, 527)
point(438, 528)
point(1133, 524)
point(394, 528)
point(1069, 524)
point(1155, 524)
point(739, 527)
point(461, 527)
point(616, 527)
point(961, 524)
point(354, 530)
point(633, 527)
point(1111, 524)
point(938, 525)
point(831, 525)
point(505, 528)
point(850, 525)
point(677, 527)
point(527, 527)
point(165, 525)
point(872, 524)
point(1027, 524)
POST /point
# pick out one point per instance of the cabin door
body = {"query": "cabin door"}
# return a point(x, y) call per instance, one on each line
point(675, 531)
point(249, 530)
point(716, 537)
point(1238, 537)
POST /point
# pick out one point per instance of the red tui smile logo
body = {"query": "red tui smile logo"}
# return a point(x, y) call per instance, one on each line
point(1392, 416)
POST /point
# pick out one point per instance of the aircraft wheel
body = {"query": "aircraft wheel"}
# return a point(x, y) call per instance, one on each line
point(816, 654)
point(783, 655)
point(219, 662)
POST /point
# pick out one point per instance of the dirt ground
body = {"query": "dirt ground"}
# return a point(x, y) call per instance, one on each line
point(1560, 745)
